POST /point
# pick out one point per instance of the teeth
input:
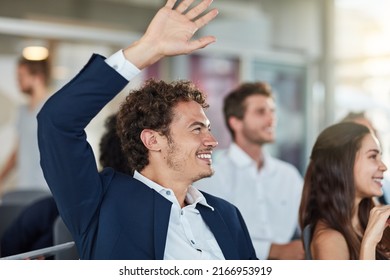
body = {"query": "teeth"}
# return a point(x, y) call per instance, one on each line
point(208, 156)
point(377, 180)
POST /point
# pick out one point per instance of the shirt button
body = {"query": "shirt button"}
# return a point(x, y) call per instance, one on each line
point(168, 192)
point(115, 67)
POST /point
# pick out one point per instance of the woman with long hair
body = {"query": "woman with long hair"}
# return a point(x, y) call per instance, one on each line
point(343, 177)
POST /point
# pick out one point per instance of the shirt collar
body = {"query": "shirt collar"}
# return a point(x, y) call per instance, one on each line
point(242, 159)
point(192, 198)
point(239, 157)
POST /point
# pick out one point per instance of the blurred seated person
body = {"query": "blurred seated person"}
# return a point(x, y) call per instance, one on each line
point(33, 80)
point(33, 229)
point(111, 154)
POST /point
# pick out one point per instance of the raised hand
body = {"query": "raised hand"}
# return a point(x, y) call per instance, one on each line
point(377, 223)
point(171, 32)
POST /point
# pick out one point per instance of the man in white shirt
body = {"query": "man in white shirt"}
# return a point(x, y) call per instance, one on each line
point(265, 189)
point(166, 138)
point(33, 80)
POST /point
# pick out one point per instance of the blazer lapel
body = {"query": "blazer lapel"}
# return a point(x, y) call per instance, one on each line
point(162, 212)
point(221, 232)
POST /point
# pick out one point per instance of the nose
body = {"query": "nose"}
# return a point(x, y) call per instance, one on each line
point(210, 140)
point(383, 166)
point(271, 117)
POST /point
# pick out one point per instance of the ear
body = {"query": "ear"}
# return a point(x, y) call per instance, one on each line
point(149, 138)
point(234, 123)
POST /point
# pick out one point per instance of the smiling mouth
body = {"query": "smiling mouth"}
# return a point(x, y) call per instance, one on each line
point(378, 180)
point(204, 156)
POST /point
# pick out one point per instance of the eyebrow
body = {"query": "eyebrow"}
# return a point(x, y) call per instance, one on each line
point(199, 123)
point(374, 150)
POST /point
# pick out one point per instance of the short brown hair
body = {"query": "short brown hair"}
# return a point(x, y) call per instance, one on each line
point(234, 102)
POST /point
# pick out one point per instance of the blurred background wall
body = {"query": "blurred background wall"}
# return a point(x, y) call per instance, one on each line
point(323, 58)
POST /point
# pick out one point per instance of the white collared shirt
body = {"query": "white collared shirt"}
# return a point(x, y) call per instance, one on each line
point(188, 237)
point(268, 199)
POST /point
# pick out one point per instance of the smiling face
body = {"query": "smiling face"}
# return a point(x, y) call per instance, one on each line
point(189, 146)
point(258, 123)
point(369, 168)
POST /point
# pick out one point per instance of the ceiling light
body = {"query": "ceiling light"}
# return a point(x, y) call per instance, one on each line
point(35, 53)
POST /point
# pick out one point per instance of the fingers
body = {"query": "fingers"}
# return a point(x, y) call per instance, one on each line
point(170, 4)
point(381, 212)
point(202, 21)
point(201, 43)
point(183, 6)
point(194, 12)
point(198, 9)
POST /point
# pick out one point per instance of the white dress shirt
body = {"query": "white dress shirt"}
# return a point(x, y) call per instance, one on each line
point(188, 235)
point(268, 198)
point(188, 238)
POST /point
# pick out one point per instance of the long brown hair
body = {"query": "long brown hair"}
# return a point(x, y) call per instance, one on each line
point(329, 187)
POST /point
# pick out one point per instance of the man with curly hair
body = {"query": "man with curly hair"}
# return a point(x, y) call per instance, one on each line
point(165, 134)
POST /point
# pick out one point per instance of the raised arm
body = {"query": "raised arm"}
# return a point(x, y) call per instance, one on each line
point(67, 159)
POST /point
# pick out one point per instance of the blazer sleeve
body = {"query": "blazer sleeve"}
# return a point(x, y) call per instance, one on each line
point(67, 159)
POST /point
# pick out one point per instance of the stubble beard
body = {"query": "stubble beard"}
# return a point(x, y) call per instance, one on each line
point(253, 137)
point(27, 91)
point(175, 163)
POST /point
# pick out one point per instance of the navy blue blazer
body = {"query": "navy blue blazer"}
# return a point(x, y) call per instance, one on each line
point(112, 215)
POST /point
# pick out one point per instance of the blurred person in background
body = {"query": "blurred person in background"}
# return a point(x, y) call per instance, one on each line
point(33, 228)
point(265, 189)
point(111, 153)
point(33, 79)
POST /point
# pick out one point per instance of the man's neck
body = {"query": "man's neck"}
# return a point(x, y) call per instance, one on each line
point(178, 187)
point(254, 151)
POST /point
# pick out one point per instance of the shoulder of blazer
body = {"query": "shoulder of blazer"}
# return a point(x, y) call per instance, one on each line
point(220, 204)
point(124, 184)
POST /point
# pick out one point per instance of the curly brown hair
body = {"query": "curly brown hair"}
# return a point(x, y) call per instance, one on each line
point(151, 107)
